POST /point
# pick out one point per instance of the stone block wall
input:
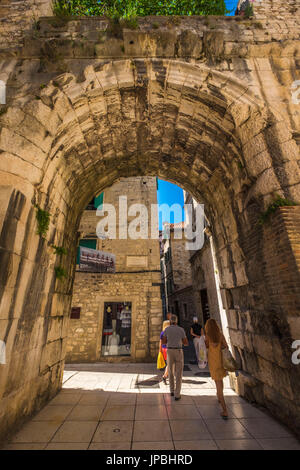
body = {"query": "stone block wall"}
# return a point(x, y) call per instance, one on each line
point(132, 254)
point(272, 19)
point(181, 268)
point(263, 340)
point(186, 306)
point(33, 330)
point(142, 253)
point(17, 17)
point(137, 278)
point(282, 272)
point(275, 9)
point(91, 291)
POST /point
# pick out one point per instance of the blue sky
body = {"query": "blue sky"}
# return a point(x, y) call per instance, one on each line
point(231, 5)
point(169, 193)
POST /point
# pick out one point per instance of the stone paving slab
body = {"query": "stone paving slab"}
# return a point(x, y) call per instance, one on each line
point(238, 444)
point(202, 444)
point(87, 414)
point(75, 431)
point(114, 431)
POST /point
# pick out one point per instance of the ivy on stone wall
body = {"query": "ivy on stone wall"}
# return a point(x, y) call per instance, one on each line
point(249, 11)
point(43, 220)
point(278, 202)
point(59, 250)
point(60, 272)
point(135, 8)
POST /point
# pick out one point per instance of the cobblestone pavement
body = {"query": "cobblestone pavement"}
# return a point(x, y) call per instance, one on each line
point(124, 406)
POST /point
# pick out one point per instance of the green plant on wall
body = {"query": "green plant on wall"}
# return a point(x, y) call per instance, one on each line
point(249, 11)
point(43, 221)
point(278, 202)
point(60, 272)
point(134, 8)
point(59, 250)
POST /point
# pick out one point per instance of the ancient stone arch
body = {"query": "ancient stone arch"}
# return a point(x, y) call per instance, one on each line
point(190, 106)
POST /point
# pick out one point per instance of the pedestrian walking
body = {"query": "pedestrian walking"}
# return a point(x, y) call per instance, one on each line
point(169, 314)
point(215, 342)
point(175, 338)
point(196, 332)
point(163, 349)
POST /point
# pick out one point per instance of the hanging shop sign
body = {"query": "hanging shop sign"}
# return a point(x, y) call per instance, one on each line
point(95, 261)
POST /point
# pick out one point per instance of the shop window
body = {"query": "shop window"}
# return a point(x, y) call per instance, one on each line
point(116, 337)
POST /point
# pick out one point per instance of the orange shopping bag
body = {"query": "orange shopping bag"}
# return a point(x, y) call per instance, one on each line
point(160, 361)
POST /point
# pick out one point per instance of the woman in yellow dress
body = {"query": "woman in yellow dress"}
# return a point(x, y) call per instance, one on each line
point(215, 342)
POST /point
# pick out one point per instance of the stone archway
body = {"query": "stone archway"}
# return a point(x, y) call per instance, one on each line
point(187, 123)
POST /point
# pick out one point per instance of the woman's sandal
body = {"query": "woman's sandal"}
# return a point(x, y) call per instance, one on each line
point(224, 416)
point(164, 380)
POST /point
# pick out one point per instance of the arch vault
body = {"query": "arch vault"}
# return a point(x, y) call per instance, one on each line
point(66, 135)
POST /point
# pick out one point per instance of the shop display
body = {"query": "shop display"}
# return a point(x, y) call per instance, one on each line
point(116, 338)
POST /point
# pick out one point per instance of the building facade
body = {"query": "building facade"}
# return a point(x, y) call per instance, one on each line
point(177, 274)
point(190, 277)
point(117, 315)
point(204, 272)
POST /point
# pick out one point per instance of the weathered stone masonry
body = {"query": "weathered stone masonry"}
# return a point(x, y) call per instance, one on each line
point(84, 343)
point(136, 280)
point(205, 103)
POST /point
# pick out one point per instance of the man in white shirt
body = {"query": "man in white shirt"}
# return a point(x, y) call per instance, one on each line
point(174, 336)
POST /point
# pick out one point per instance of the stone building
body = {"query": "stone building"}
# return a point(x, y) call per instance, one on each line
point(211, 104)
point(117, 315)
point(204, 284)
point(204, 273)
point(177, 274)
point(190, 276)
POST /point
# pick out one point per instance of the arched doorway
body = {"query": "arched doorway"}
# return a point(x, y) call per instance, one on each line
point(201, 129)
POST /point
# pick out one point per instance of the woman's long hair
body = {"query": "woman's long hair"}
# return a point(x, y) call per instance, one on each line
point(213, 331)
point(166, 323)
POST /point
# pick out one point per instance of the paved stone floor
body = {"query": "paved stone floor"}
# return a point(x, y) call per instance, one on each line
point(122, 406)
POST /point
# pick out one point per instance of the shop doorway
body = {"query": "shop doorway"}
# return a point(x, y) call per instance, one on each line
point(116, 336)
